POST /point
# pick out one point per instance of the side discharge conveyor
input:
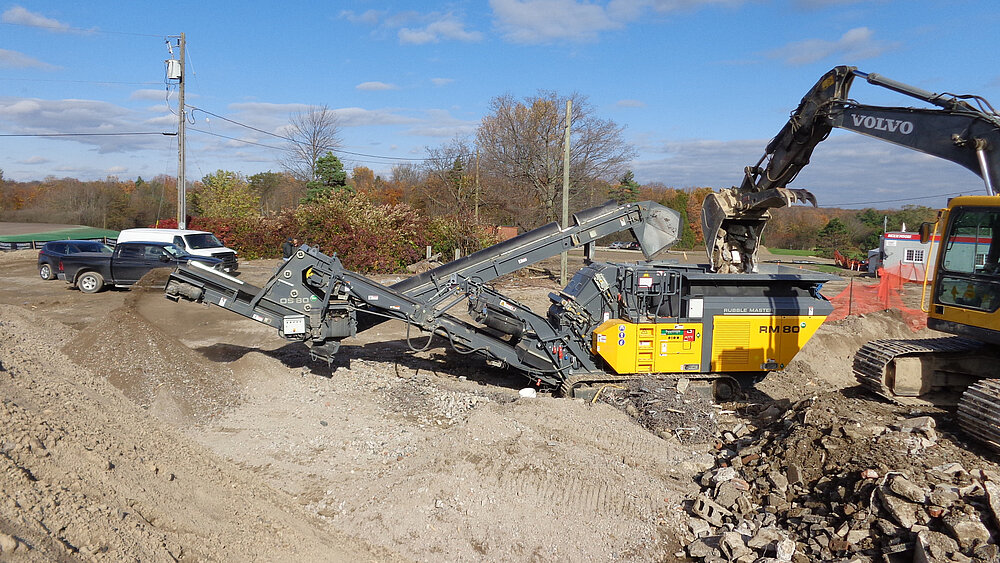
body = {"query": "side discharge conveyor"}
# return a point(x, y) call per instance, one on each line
point(612, 321)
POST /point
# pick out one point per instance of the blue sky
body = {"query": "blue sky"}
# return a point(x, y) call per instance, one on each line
point(700, 85)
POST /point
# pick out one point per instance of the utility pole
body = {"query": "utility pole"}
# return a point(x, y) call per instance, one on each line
point(565, 193)
point(181, 180)
point(477, 185)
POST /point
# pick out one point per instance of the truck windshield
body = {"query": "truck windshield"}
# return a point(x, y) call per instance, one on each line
point(202, 240)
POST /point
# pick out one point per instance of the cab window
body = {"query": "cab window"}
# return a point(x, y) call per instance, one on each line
point(970, 264)
point(200, 241)
point(131, 252)
point(969, 247)
point(154, 252)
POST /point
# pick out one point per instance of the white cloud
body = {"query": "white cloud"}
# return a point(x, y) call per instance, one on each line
point(38, 116)
point(360, 117)
point(13, 59)
point(542, 21)
point(415, 28)
point(442, 81)
point(34, 160)
point(369, 17)
point(165, 121)
point(375, 86)
point(269, 108)
point(682, 5)
point(855, 44)
point(20, 16)
point(440, 123)
point(847, 170)
point(444, 28)
point(630, 104)
point(148, 94)
point(821, 4)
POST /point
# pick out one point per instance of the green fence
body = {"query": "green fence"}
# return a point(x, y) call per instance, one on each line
point(35, 240)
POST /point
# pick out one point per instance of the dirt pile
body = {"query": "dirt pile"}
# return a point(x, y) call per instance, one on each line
point(831, 479)
point(152, 367)
point(222, 443)
point(473, 471)
point(87, 473)
point(825, 362)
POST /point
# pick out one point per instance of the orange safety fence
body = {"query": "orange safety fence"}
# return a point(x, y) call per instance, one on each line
point(867, 295)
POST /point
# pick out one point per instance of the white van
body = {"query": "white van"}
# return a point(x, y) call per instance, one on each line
point(199, 243)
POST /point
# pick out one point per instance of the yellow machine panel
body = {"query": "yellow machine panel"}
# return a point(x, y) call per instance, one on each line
point(649, 348)
point(758, 342)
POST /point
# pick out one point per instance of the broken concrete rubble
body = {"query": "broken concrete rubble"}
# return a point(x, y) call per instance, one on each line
point(798, 487)
point(906, 489)
point(966, 527)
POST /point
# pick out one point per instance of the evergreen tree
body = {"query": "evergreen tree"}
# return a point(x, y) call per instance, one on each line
point(331, 178)
point(627, 190)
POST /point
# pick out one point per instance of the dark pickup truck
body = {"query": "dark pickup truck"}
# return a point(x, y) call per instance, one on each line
point(91, 271)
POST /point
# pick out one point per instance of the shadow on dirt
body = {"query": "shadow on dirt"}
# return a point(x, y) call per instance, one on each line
point(437, 361)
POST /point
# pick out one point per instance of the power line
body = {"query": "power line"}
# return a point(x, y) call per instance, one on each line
point(260, 144)
point(84, 134)
point(234, 138)
point(897, 200)
point(341, 151)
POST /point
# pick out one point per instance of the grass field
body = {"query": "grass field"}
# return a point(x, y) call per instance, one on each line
point(789, 252)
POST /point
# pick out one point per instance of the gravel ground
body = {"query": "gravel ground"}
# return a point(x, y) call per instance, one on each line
point(132, 427)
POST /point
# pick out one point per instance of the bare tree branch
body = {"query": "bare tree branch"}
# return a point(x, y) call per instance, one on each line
point(521, 145)
point(313, 133)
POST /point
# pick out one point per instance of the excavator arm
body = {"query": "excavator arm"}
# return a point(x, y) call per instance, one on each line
point(734, 219)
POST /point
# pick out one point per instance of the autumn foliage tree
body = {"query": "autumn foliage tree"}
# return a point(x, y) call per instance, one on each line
point(521, 148)
point(449, 178)
point(227, 194)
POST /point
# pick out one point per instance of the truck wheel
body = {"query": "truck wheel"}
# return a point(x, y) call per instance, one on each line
point(45, 271)
point(90, 282)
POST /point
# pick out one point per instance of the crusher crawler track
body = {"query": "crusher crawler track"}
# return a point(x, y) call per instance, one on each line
point(874, 370)
point(979, 411)
point(724, 387)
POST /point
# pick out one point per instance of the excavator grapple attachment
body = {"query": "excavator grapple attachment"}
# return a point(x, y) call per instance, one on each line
point(732, 223)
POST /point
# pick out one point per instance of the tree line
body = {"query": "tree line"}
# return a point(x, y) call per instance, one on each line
point(509, 172)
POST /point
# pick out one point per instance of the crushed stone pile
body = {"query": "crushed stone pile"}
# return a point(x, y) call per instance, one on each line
point(825, 480)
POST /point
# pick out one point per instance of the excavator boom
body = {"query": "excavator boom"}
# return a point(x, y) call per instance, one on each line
point(734, 219)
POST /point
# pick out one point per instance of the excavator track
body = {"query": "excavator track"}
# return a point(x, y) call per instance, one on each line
point(979, 411)
point(872, 361)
